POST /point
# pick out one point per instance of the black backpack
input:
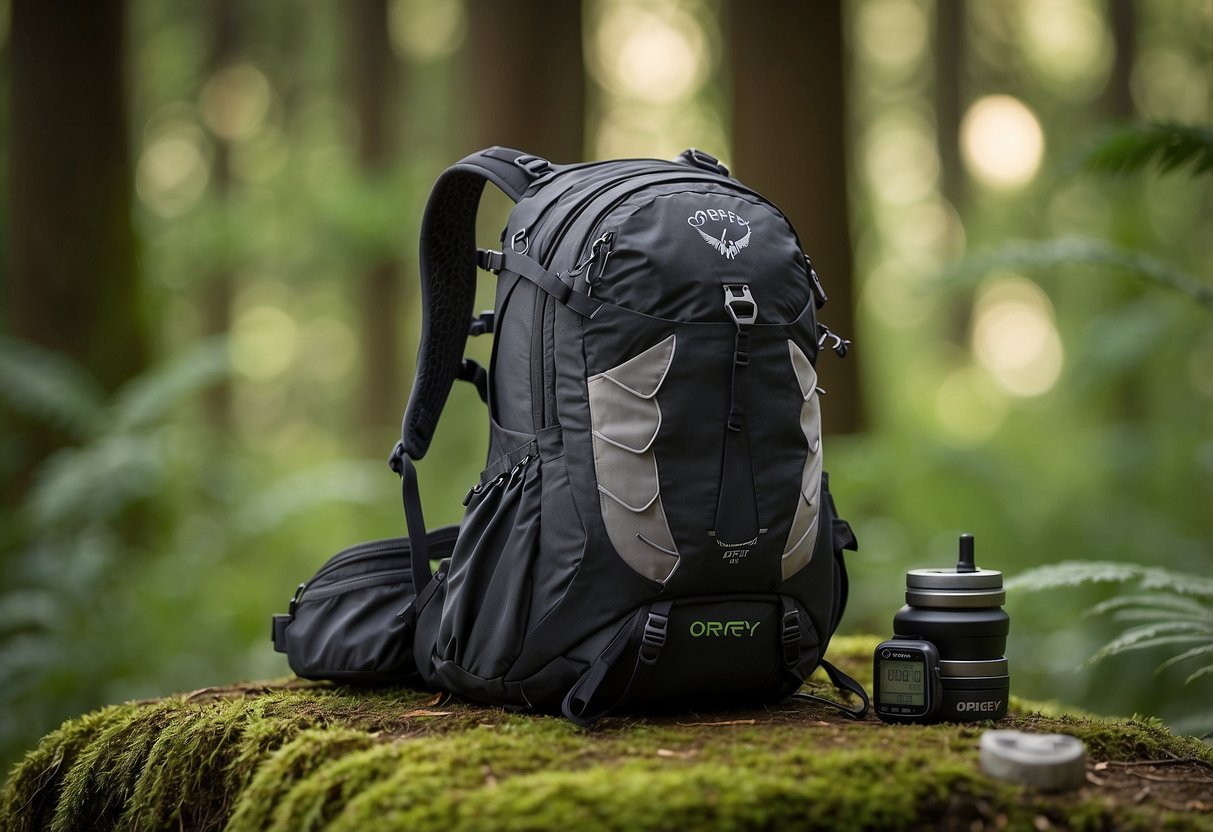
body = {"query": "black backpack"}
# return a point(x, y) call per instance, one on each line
point(653, 525)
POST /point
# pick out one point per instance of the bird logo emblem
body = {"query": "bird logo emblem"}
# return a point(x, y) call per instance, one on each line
point(729, 249)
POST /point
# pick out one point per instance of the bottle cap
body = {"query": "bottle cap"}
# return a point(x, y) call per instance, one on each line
point(1055, 762)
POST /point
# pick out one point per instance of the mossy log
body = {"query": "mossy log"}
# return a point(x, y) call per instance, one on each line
point(302, 756)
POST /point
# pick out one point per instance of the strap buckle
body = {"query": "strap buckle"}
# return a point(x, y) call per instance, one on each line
point(535, 166)
point(653, 637)
point(395, 459)
point(740, 304)
point(704, 161)
point(791, 637)
point(483, 324)
point(489, 260)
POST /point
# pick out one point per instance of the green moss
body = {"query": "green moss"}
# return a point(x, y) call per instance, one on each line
point(312, 757)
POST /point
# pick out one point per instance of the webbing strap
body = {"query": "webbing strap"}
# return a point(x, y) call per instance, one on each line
point(448, 278)
point(648, 627)
point(550, 282)
point(844, 683)
point(420, 549)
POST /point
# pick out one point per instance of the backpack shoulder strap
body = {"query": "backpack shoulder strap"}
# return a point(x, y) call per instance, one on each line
point(448, 293)
point(448, 280)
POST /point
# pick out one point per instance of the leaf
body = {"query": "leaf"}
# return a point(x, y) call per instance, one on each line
point(1199, 650)
point(1200, 672)
point(1134, 614)
point(1081, 572)
point(50, 387)
point(1050, 255)
point(1133, 148)
point(300, 492)
point(95, 482)
point(1156, 600)
point(153, 394)
point(1151, 635)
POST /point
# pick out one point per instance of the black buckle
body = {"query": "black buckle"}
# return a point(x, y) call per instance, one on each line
point(791, 637)
point(704, 161)
point(489, 260)
point(395, 459)
point(653, 637)
point(536, 166)
point(278, 634)
point(482, 325)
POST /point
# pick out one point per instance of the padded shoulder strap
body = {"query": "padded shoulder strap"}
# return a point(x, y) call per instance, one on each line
point(448, 280)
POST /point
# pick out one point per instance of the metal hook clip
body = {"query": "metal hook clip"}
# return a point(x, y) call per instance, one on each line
point(839, 345)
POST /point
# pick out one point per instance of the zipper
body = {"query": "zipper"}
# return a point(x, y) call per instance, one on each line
point(539, 380)
point(394, 545)
point(390, 546)
point(386, 576)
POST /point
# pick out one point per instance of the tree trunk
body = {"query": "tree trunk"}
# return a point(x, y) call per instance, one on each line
point(1119, 93)
point(217, 295)
point(380, 293)
point(790, 143)
point(528, 77)
point(949, 97)
point(73, 284)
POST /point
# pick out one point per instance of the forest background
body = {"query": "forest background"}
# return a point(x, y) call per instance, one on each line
point(210, 306)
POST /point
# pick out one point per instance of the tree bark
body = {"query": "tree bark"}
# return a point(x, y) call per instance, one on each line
point(1119, 93)
point(949, 97)
point(787, 64)
point(73, 283)
point(217, 295)
point(374, 70)
point(524, 95)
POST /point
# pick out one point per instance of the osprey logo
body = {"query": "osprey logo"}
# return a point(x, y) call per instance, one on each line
point(728, 248)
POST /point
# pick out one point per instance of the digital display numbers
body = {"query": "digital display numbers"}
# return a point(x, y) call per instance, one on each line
point(902, 683)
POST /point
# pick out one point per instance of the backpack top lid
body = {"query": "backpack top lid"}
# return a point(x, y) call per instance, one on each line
point(449, 258)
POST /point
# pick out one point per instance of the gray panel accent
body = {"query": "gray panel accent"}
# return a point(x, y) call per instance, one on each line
point(642, 376)
point(626, 419)
point(802, 537)
point(627, 477)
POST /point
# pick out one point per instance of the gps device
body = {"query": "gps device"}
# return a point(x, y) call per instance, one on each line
point(906, 677)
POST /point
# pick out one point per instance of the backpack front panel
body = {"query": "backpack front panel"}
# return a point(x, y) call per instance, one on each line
point(620, 500)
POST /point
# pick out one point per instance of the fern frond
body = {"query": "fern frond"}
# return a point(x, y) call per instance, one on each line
point(1080, 572)
point(1133, 148)
point(153, 394)
point(1049, 255)
point(96, 481)
point(1199, 650)
point(1152, 635)
point(1161, 601)
point(1198, 673)
point(1157, 614)
point(50, 387)
point(303, 491)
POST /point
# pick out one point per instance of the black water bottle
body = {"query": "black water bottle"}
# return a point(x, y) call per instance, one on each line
point(960, 612)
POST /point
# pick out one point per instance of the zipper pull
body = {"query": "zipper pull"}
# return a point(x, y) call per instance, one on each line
point(819, 292)
point(295, 599)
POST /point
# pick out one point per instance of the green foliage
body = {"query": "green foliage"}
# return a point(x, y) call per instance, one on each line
point(50, 387)
point(1171, 609)
point(1083, 252)
point(1133, 148)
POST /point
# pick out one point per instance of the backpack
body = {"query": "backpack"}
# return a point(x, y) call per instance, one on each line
point(653, 525)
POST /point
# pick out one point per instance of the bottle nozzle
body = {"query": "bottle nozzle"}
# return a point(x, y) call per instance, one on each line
point(966, 564)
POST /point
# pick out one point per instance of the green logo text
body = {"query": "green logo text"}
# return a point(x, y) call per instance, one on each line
point(734, 629)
